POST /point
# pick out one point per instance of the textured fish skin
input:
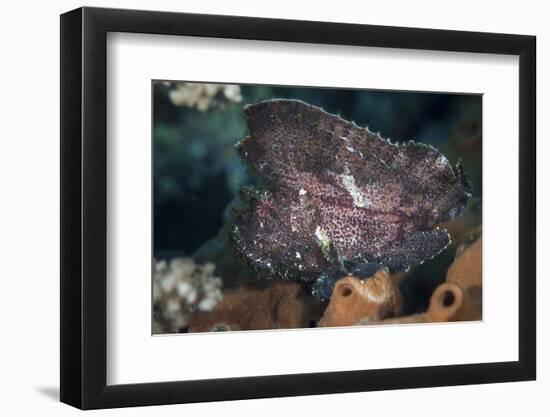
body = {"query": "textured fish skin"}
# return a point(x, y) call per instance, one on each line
point(335, 197)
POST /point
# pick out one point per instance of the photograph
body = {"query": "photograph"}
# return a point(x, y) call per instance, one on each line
point(299, 207)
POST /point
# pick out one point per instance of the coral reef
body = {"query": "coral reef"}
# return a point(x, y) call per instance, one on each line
point(203, 97)
point(180, 288)
point(187, 298)
point(337, 199)
point(279, 306)
point(356, 299)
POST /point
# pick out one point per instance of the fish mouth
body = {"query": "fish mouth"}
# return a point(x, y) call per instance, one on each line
point(458, 200)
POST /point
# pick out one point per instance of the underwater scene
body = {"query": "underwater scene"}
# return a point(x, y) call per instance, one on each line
point(283, 207)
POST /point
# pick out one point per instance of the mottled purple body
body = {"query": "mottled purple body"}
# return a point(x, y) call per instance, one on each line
point(334, 194)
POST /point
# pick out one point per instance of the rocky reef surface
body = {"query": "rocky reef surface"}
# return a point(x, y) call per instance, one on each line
point(354, 302)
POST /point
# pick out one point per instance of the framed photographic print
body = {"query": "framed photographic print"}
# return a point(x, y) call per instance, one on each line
point(257, 208)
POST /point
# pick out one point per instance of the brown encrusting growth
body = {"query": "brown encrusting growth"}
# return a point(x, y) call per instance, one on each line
point(335, 197)
point(279, 306)
point(370, 299)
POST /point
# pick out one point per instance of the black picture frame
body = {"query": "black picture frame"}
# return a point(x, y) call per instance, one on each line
point(84, 207)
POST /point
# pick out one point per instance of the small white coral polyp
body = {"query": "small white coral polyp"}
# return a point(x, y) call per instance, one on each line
point(204, 97)
point(181, 287)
